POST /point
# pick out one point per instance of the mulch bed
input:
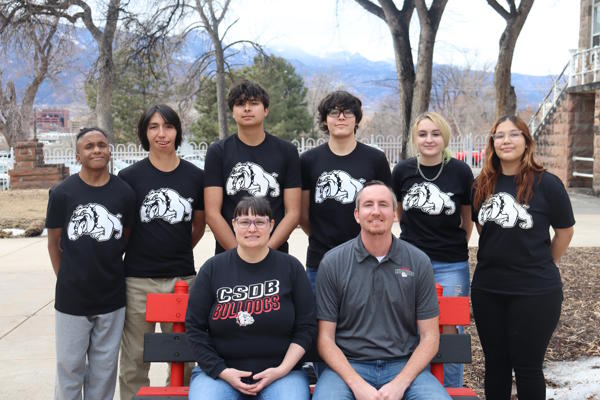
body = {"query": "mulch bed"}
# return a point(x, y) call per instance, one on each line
point(578, 332)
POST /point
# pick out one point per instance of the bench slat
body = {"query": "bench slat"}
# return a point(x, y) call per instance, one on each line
point(166, 307)
point(454, 311)
point(167, 347)
point(162, 392)
point(454, 349)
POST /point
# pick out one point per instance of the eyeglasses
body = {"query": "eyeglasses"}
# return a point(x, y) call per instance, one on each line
point(512, 135)
point(335, 113)
point(245, 223)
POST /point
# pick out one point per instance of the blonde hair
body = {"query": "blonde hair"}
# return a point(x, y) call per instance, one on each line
point(442, 125)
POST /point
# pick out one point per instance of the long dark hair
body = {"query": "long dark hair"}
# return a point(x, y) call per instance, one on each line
point(485, 184)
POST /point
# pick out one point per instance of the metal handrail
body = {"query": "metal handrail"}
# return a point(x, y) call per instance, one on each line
point(544, 109)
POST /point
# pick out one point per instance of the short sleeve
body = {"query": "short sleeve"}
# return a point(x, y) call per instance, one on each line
point(293, 176)
point(130, 207)
point(427, 305)
point(384, 174)
point(328, 299)
point(213, 166)
point(561, 211)
point(56, 211)
point(467, 180)
point(199, 205)
point(305, 171)
point(397, 178)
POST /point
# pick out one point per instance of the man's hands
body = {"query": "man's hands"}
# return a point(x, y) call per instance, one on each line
point(393, 390)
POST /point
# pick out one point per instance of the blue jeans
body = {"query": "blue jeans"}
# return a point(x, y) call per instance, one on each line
point(454, 278)
point(377, 373)
point(293, 386)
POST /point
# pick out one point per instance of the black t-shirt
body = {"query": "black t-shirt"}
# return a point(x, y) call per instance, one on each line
point(90, 277)
point(161, 242)
point(263, 170)
point(514, 254)
point(333, 182)
point(245, 316)
point(431, 216)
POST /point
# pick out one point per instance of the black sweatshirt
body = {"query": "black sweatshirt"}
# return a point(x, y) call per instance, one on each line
point(245, 316)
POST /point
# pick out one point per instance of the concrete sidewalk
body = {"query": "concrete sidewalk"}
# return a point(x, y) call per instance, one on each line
point(27, 352)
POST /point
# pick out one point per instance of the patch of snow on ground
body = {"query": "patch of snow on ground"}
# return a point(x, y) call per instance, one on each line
point(573, 379)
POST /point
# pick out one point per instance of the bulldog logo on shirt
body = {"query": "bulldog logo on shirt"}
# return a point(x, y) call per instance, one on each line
point(504, 210)
point(95, 221)
point(166, 204)
point(253, 179)
point(337, 185)
point(428, 198)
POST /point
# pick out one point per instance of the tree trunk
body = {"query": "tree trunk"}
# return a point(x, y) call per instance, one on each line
point(429, 21)
point(221, 89)
point(506, 100)
point(106, 68)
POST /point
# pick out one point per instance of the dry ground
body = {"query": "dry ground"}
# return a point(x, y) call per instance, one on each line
point(577, 335)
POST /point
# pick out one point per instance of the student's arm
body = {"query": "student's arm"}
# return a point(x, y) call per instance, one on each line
point(466, 223)
point(54, 248)
point(337, 361)
point(291, 202)
point(213, 201)
point(419, 360)
point(198, 226)
point(304, 212)
point(560, 242)
point(478, 229)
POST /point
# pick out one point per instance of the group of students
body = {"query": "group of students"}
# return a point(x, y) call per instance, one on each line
point(366, 298)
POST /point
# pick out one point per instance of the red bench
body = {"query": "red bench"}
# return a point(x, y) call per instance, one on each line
point(173, 347)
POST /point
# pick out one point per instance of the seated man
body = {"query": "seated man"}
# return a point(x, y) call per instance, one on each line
point(377, 310)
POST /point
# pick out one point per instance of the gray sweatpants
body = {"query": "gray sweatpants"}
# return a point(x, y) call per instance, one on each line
point(87, 350)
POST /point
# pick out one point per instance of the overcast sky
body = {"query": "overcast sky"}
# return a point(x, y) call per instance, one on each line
point(468, 33)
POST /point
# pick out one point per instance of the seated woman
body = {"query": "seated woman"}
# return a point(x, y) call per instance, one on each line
point(251, 316)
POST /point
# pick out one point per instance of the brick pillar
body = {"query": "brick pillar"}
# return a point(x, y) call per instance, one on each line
point(29, 170)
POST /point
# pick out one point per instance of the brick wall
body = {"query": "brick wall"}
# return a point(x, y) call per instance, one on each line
point(569, 132)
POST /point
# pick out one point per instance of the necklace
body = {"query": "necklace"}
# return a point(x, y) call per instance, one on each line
point(423, 175)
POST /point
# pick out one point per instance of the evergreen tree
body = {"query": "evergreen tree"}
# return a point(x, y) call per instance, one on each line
point(288, 113)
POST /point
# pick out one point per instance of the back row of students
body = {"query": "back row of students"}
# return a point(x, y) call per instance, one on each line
point(158, 207)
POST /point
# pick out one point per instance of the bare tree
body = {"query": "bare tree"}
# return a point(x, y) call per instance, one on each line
point(35, 40)
point(463, 95)
point(81, 11)
point(414, 86)
point(506, 99)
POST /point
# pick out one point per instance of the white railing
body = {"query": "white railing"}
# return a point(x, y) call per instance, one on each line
point(550, 102)
point(585, 66)
point(468, 148)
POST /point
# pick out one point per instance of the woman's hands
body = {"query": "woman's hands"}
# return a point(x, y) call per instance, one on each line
point(234, 378)
point(266, 377)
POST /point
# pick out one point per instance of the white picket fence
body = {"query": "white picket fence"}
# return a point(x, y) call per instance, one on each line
point(468, 148)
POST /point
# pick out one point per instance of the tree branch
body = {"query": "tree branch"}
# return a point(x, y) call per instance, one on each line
point(499, 9)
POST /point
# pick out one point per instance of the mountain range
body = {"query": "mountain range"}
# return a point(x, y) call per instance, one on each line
point(372, 81)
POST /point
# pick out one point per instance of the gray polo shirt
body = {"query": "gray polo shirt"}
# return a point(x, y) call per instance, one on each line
point(375, 304)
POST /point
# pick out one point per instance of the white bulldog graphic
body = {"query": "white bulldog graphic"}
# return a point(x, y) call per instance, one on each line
point(337, 185)
point(504, 210)
point(428, 198)
point(253, 179)
point(166, 204)
point(95, 221)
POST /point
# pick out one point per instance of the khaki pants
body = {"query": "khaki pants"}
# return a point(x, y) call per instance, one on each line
point(133, 372)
